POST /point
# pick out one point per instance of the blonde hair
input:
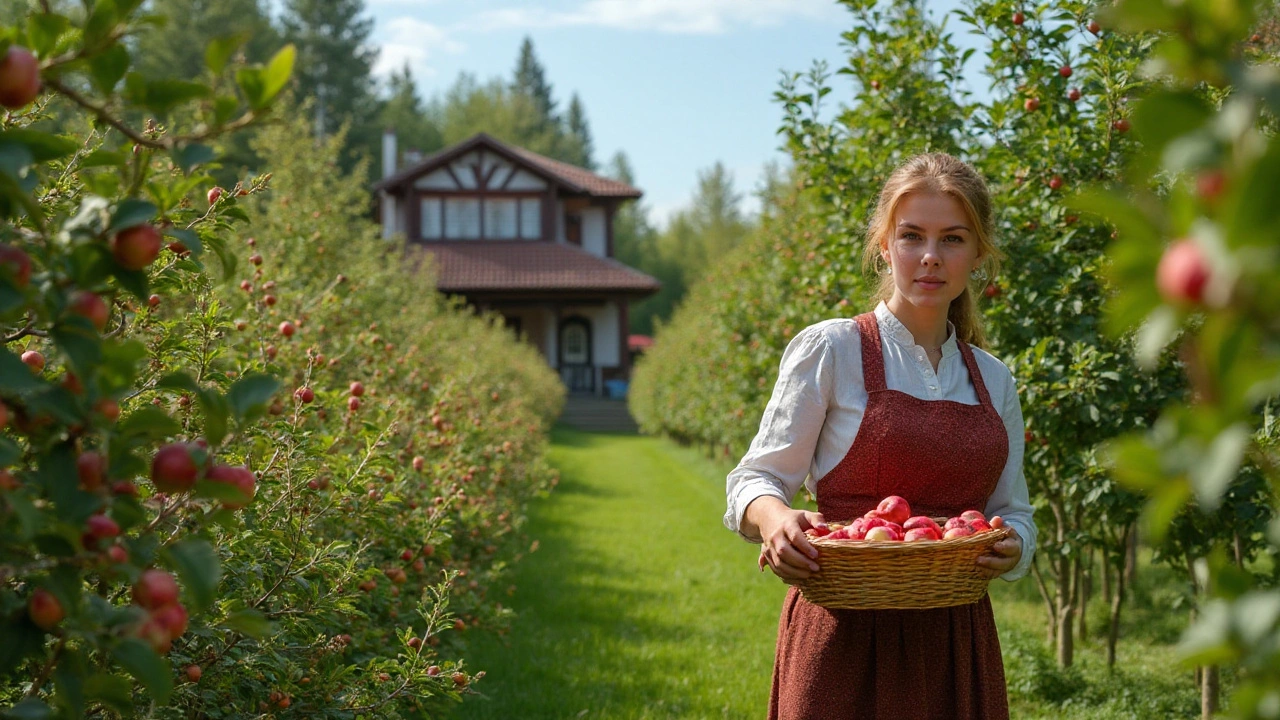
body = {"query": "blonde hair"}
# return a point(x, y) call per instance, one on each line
point(942, 174)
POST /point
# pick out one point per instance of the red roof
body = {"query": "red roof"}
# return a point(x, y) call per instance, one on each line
point(571, 177)
point(639, 342)
point(529, 265)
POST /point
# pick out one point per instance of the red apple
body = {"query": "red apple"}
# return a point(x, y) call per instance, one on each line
point(155, 635)
point(970, 515)
point(1065, 71)
point(957, 532)
point(1182, 274)
point(882, 534)
point(1019, 18)
point(1121, 125)
point(239, 477)
point(992, 291)
point(955, 522)
point(419, 462)
point(18, 263)
point(353, 404)
point(1073, 94)
point(194, 673)
point(922, 533)
point(1031, 104)
point(215, 192)
point(287, 329)
point(1094, 27)
point(101, 527)
point(19, 78)
point(872, 521)
point(91, 307)
point(1210, 184)
point(173, 618)
point(44, 609)
point(136, 247)
point(256, 259)
point(92, 467)
point(174, 469)
point(153, 301)
point(155, 588)
point(34, 360)
point(357, 389)
point(305, 394)
point(979, 525)
point(1055, 182)
point(118, 554)
point(921, 521)
point(893, 509)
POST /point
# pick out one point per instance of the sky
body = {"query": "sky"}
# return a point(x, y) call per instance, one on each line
point(677, 85)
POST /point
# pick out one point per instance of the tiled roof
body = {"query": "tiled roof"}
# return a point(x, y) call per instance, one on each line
point(571, 177)
point(529, 265)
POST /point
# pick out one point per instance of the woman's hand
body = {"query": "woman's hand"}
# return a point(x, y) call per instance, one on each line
point(785, 547)
point(1004, 555)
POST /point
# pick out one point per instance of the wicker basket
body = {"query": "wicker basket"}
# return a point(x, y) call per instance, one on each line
point(888, 575)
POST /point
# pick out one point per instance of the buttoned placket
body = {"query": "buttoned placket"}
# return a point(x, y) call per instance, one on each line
point(930, 379)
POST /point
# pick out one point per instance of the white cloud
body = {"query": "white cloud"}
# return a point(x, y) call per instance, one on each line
point(695, 17)
point(407, 39)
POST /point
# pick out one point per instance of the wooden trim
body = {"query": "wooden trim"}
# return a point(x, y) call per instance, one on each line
point(609, 210)
point(449, 169)
point(510, 176)
point(624, 332)
point(549, 215)
point(478, 193)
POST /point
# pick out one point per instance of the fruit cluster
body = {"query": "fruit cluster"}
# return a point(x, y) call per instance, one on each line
point(892, 521)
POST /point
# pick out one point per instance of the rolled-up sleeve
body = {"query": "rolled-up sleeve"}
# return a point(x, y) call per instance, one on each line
point(1011, 499)
point(781, 454)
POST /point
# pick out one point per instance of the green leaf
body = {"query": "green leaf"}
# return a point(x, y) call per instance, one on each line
point(250, 395)
point(1208, 640)
point(1215, 469)
point(146, 667)
point(1255, 206)
point(30, 709)
point(1166, 501)
point(179, 381)
point(162, 95)
point(68, 678)
point(249, 622)
point(15, 377)
point(81, 342)
point(219, 51)
point(189, 156)
point(148, 423)
point(102, 158)
point(189, 238)
point(108, 68)
point(277, 73)
point(111, 690)
point(129, 213)
point(42, 146)
point(197, 564)
point(252, 84)
point(1163, 117)
point(1153, 335)
point(10, 452)
point(44, 29)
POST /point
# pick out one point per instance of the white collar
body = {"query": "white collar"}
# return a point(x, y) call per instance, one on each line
point(893, 328)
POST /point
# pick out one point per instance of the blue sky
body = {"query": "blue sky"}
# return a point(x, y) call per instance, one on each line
point(676, 84)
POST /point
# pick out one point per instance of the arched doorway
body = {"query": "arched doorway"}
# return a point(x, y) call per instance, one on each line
point(576, 370)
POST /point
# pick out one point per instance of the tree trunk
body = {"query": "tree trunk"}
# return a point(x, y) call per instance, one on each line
point(1131, 560)
point(1209, 693)
point(1068, 572)
point(1051, 610)
point(1117, 603)
point(1106, 577)
point(1086, 593)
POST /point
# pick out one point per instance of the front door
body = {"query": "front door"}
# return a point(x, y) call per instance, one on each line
point(575, 355)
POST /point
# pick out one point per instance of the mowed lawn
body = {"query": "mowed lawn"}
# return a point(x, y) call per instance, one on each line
point(638, 603)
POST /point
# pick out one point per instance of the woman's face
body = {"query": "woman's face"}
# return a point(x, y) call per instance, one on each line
point(932, 249)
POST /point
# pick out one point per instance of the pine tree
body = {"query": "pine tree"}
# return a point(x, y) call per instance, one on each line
point(177, 48)
point(531, 80)
point(405, 115)
point(335, 68)
point(580, 147)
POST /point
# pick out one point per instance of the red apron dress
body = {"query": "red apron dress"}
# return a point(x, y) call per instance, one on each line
point(944, 457)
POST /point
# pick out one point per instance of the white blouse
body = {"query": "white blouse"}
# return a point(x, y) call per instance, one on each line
point(818, 402)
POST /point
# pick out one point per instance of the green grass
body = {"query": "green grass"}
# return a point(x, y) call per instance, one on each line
point(639, 604)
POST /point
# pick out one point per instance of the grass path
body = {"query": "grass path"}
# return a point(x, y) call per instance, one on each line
point(638, 603)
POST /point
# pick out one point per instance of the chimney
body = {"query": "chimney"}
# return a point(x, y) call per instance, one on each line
point(388, 153)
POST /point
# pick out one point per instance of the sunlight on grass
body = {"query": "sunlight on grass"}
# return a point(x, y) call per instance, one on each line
point(639, 604)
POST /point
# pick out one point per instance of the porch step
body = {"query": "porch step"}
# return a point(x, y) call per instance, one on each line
point(595, 414)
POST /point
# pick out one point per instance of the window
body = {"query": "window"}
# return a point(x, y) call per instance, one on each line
point(462, 218)
point(530, 218)
point(431, 217)
point(500, 218)
point(575, 344)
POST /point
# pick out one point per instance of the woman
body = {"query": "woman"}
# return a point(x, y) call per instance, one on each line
point(900, 401)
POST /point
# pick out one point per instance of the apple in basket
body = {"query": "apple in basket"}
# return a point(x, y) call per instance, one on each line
point(957, 532)
point(893, 508)
point(922, 533)
point(955, 522)
point(922, 521)
point(883, 533)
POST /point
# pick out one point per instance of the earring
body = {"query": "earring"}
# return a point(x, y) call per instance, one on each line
point(979, 273)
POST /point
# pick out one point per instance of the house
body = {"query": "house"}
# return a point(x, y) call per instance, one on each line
point(528, 237)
